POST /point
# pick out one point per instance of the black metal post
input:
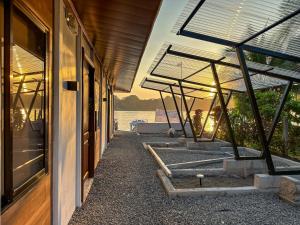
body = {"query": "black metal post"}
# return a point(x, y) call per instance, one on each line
point(8, 141)
point(14, 104)
point(191, 107)
point(208, 113)
point(34, 97)
point(177, 110)
point(224, 108)
point(220, 118)
point(187, 112)
point(258, 120)
point(279, 110)
point(166, 112)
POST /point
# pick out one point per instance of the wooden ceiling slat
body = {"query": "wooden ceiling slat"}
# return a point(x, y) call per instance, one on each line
point(119, 30)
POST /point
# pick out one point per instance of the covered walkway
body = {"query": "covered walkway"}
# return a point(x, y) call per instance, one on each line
point(126, 191)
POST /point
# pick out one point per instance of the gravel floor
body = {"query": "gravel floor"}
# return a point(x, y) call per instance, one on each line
point(127, 191)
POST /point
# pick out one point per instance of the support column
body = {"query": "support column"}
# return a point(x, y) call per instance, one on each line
point(166, 112)
point(279, 110)
point(177, 110)
point(187, 112)
point(255, 110)
point(208, 113)
point(191, 107)
point(221, 117)
point(224, 108)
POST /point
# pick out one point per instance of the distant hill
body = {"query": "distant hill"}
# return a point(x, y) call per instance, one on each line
point(133, 103)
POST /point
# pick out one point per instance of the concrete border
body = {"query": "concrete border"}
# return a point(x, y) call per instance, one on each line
point(185, 165)
point(164, 144)
point(185, 150)
point(193, 172)
point(158, 160)
point(289, 189)
point(196, 192)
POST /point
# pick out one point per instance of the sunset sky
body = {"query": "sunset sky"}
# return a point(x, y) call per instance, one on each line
point(161, 34)
point(169, 12)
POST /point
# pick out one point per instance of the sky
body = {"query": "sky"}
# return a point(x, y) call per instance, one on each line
point(167, 16)
point(161, 33)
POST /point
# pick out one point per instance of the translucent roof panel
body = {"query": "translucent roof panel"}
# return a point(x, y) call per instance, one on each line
point(189, 91)
point(28, 70)
point(237, 20)
point(193, 65)
point(258, 82)
point(24, 62)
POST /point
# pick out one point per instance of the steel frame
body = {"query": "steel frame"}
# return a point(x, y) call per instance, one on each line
point(241, 44)
point(220, 118)
point(176, 85)
point(279, 110)
point(191, 107)
point(224, 109)
point(178, 112)
point(264, 139)
point(187, 111)
point(182, 95)
point(166, 112)
point(208, 114)
point(267, 72)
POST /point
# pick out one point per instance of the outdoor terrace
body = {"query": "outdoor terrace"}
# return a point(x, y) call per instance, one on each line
point(126, 190)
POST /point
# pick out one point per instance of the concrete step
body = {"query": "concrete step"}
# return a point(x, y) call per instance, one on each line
point(289, 189)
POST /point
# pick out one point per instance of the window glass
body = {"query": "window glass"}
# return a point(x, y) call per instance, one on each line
point(27, 99)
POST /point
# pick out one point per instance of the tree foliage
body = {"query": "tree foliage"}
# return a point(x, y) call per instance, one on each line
point(243, 122)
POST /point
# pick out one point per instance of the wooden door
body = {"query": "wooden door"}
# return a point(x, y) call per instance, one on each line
point(85, 121)
point(88, 121)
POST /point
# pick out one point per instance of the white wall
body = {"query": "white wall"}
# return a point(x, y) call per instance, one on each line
point(64, 149)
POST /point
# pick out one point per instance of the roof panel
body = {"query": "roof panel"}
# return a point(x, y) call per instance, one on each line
point(237, 20)
point(170, 63)
point(188, 90)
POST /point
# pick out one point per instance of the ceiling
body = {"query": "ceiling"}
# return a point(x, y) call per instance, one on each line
point(119, 29)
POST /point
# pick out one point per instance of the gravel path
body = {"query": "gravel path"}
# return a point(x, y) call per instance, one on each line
point(127, 191)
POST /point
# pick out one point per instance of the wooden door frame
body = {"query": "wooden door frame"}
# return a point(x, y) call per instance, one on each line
point(91, 139)
point(108, 100)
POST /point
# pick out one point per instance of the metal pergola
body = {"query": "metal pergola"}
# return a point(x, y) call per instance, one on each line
point(193, 92)
point(230, 28)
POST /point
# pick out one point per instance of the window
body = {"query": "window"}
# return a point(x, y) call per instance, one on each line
point(27, 145)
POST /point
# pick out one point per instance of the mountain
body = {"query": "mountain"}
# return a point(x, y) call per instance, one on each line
point(133, 103)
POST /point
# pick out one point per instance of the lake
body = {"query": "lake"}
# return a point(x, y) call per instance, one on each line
point(125, 117)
